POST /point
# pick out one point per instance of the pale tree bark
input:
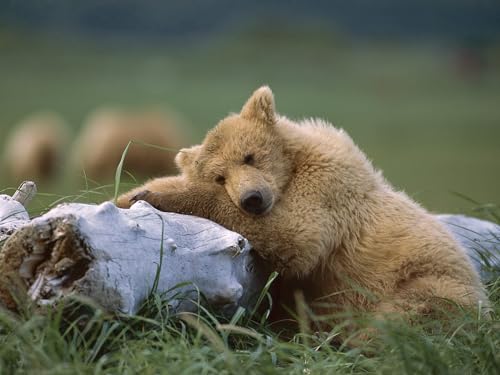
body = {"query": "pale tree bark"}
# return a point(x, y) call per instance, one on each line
point(13, 214)
point(116, 257)
point(481, 241)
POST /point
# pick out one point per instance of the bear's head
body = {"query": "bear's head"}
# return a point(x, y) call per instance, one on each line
point(244, 157)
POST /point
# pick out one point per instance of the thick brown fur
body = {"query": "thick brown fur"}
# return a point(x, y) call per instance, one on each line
point(35, 148)
point(334, 228)
point(107, 132)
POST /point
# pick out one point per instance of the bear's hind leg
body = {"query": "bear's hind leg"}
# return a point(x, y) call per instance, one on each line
point(436, 296)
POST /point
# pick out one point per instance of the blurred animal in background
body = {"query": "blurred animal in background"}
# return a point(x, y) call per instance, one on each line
point(35, 148)
point(105, 135)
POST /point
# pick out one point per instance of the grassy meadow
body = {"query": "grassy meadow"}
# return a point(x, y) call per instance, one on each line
point(432, 129)
point(78, 338)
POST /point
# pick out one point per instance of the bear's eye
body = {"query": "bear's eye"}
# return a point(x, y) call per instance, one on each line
point(249, 159)
point(221, 180)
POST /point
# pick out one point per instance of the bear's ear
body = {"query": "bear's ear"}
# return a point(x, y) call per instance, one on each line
point(260, 106)
point(186, 157)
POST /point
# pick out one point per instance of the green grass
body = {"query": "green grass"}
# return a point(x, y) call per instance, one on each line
point(76, 337)
point(432, 133)
point(431, 130)
point(79, 338)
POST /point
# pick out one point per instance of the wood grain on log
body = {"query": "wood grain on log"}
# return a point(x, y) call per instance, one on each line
point(113, 255)
point(13, 213)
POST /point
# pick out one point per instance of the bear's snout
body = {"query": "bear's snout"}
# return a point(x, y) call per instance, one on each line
point(254, 202)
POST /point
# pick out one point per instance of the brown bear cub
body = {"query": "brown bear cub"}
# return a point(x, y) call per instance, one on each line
point(316, 210)
point(101, 142)
point(35, 149)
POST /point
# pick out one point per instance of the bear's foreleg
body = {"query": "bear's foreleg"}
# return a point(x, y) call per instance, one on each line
point(171, 194)
point(294, 246)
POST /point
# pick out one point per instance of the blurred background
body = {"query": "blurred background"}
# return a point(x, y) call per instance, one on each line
point(415, 83)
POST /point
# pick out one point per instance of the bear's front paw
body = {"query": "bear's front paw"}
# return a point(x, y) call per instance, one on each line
point(140, 196)
point(148, 196)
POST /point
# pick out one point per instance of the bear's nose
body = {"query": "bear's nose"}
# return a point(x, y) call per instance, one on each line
point(253, 202)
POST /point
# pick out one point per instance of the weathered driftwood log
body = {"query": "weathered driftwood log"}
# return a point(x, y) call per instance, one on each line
point(13, 214)
point(113, 256)
point(117, 257)
point(481, 240)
